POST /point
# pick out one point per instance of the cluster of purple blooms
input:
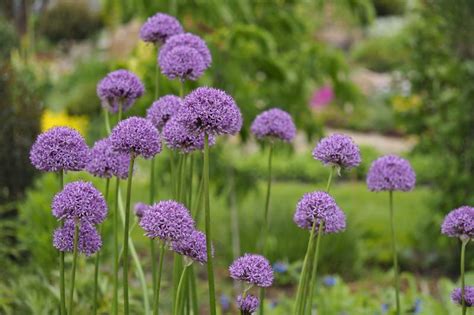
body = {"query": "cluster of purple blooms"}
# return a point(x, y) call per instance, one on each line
point(391, 173)
point(456, 296)
point(338, 150)
point(274, 124)
point(79, 203)
point(171, 223)
point(255, 270)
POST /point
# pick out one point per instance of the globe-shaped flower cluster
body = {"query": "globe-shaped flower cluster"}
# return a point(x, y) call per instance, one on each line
point(391, 173)
point(274, 124)
point(252, 268)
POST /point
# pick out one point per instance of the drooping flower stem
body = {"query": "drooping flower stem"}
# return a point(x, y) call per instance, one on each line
point(116, 248)
point(156, 302)
point(97, 256)
point(463, 285)
point(394, 254)
point(73, 271)
point(177, 302)
point(265, 222)
point(62, 282)
point(207, 214)
point(126, 235)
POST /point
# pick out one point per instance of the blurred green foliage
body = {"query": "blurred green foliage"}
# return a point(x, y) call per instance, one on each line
point(69, 20)
point(8, 38)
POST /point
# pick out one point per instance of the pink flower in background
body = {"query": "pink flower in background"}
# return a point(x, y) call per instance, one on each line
point(322, 97)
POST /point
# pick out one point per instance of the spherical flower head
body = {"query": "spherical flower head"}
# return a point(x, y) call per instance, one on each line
point(178, 137)
point(106, 162)
point(59, 149)
point(80, 201)
point(210, 111)
point(249, 304)
point(140, 209)
point(319, 206)
point(252, 268)
point(183, 63)
point(119, 88)
point(89, 240)
point(192, 246)
point(137, 136)
point(459, 223)
point(337, 150)
point(456, 296)
point(159, 27)
point(391, 172)
point(188, 40)
point(167, 220)
point(163, 109)
point(274, 124)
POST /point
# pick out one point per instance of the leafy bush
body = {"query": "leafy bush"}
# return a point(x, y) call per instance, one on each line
point(8, 38)
point(69, 20)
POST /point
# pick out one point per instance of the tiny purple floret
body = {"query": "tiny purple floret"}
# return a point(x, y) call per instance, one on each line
point(456, 296)
point(249, 304)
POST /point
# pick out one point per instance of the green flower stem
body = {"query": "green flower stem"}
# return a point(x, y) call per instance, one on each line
point(191, 179)
point(394, 253)
point(62, 282)
point(126, 235)
point(192, 285)
point(97, 256)
point(265, 222)
point(312, 282)
point(178, 299)
point(463, 289)
point(107, 121)
point(156, 302)
point(116, 248)
point(74, 265)
point(157, 75)
point(196, 209)
point(207, 215)
point(152, 243)
point(177, 269)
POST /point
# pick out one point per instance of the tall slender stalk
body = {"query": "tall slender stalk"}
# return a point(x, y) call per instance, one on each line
point(192, 284)
point(306, 272)
point(97, 255)
point(62, 282)
point(394, 254)
point(178, 299)
point(73, 271)
point(116, 248)
point(152, 243)
point(107, 121)
point(265, 222)
point(463, 289)
point(126, 235)
point(156, 302)
point(207, 214)
point(312, 282)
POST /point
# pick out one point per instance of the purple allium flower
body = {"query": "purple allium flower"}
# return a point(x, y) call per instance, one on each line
point(168, 220)
point(178, 137)
point(338, 150)
point(159, 27)
point(459, 223)
point(274, 123)
point(137, 136)
point(80, 200)
point(163, 109)
point(391, 172)
point(89, 241)
point(192, 246)
point(211, 111)
point(182, 62)
point(249, 304)
point(140, 209)
point(106, 162)
point(187, 40)
point(323, 207)
point(252, 268)
point(59, 149)
point(468, 296)
point(119, 87)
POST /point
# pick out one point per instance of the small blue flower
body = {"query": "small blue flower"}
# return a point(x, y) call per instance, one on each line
point(273, 304)
point(418, 306)
point(329, 281)
point(385, 308)
point(280, 267)
point(225, 302)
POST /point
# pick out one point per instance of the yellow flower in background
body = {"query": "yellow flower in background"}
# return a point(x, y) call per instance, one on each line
point(404, 104)
point(143, 54)
point(51, 119)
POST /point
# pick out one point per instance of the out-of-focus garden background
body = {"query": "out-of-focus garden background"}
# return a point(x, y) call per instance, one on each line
point(396, 75)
